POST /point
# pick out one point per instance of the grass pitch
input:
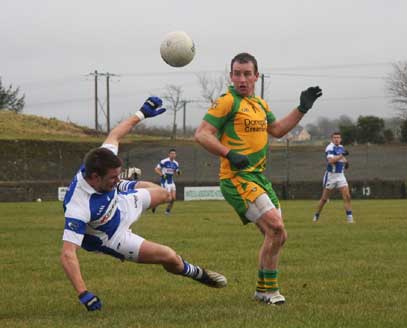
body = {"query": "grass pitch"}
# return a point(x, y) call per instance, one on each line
point(333, 274)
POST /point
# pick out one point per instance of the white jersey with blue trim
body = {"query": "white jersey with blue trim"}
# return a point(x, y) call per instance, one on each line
point(169, 168)
point(91, 217)
point(331, 151)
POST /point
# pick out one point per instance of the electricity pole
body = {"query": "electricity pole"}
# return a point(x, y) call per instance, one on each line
point(184, 117)
point(96, 74)
point(262, 84)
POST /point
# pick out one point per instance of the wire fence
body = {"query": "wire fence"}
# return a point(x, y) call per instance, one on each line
point(27, 164)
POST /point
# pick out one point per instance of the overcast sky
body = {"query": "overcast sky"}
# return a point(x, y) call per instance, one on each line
point(346, 47)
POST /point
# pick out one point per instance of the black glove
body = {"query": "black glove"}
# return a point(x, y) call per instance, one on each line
point(91, 301)
point(237, 160)
point(308, 97)
point(346, 165)
point(345, 153)
point(150, 107)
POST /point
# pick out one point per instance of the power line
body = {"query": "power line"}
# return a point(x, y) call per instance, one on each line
point(363, 77)
point(275, 71)
point(200, 101)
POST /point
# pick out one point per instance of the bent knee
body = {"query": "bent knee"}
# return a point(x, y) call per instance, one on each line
point(168, 256)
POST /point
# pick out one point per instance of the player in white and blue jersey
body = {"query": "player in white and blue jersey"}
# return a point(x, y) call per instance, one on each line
point(334, 177)
point(100, 208)
point(166, 169)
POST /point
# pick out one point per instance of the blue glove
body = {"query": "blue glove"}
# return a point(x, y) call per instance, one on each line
point(237, 160)
point(91, 301)
point(150, 107)
point(308, 98)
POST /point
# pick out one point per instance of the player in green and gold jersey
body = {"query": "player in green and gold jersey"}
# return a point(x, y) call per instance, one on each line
point(236, 128)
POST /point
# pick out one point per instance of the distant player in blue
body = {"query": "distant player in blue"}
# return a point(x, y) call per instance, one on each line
point(334, 177)
point(166, 169)
point(100, 208)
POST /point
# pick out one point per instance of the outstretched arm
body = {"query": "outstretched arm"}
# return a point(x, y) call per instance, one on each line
point(70, 263)
point(71, 267)
point(121, 130)
point(281, 127)
point(149, 109)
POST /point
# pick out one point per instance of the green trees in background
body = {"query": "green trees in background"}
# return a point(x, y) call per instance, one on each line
point(10, 100)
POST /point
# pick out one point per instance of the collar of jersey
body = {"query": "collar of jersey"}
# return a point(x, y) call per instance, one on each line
point(85, 185)
point(234, 92)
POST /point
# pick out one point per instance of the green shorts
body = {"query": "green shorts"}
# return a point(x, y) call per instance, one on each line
point(246, 187)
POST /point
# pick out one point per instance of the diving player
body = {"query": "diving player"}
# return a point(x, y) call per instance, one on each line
point(99, 210)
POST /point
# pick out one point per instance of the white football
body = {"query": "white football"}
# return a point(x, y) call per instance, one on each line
point(177, 49)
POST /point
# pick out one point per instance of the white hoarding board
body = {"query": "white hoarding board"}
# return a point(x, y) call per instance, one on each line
point(202, 193)
point(61, 193)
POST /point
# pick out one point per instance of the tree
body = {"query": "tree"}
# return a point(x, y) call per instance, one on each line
point(370, 129)
point(403, 131)
point(388, 135)
point(9, 99)
point(213, 86)
point(173, 94)
point(397, 87)
point(349, 133)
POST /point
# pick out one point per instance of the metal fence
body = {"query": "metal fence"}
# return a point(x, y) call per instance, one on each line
point(29, 170)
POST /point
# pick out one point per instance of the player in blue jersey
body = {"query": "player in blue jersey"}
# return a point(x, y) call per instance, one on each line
point(334, 177)
point(166, 169)
point(100, 208)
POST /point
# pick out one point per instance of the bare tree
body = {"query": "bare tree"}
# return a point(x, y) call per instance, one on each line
point(397, 87)
point(213, 86)
point(173, 95)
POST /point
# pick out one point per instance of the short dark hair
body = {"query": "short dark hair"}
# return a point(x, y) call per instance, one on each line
point(244, 57)
point(336, 133)
point(100, 160)
point(172, 149)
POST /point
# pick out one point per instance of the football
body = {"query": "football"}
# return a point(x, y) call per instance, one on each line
point(177, 49)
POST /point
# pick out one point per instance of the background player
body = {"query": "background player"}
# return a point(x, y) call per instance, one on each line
point(166, 169)
point(334, 177)
point(99, 212)
point(236, 128)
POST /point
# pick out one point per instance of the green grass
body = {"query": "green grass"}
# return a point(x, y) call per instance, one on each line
point(15, 126)
point(333, 274)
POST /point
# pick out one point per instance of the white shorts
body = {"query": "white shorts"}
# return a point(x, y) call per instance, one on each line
point(334, 180)
point(261, 205)
point(123, 241)
point(169, 186)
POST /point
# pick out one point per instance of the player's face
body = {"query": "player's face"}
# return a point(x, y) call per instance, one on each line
point(244, 78)
point(336, 139)
point(172, 155)
point(109, 181)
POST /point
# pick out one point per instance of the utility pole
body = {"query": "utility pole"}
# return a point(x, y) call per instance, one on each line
point(184, 118)
point(96, 74)
point(262, 85)
point(107, 103)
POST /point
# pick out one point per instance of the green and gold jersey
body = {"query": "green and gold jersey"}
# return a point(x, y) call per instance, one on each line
point(242, 126)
